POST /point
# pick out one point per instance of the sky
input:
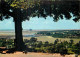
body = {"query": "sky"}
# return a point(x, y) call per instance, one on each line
point(41, 23)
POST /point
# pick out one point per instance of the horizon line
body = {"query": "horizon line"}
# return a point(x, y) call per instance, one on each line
point(38, 29)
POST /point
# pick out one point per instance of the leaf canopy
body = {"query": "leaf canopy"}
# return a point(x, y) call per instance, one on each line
point(24, 9)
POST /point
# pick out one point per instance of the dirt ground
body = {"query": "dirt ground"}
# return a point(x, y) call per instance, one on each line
point(32, 54)
point(20, 54)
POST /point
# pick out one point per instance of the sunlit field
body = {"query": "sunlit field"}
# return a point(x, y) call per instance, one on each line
point(33, 44)
point(50, 39)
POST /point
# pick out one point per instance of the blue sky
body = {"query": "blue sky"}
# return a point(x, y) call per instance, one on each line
point(41, 23)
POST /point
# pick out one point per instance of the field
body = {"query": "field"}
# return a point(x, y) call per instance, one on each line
point(43, 38)
point(11, 34)
point(51, 39)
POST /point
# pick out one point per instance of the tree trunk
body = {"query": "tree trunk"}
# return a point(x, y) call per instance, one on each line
point(19, 45)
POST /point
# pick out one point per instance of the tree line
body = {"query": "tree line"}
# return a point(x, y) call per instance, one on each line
point(33, 45)
point(56, 47)
point(62, 33)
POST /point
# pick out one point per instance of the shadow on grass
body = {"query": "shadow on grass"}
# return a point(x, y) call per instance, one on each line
point(9, 51)
point(4, 51)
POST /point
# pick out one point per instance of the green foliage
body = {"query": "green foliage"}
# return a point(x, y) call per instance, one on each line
point(59, 47)
point(56, 41)
point(39, 44)
point(71, 41)
point(40, 8)
point(33, 39)
point(38, 49)
point(62, 33)
point(2, 42)
point(70, 51)
point(46, 47)
point(6, 42)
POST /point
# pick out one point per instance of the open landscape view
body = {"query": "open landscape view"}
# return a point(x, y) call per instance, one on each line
point(39, 28)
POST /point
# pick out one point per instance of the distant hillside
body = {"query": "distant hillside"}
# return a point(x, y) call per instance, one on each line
point(62, 33)
point(6, 29)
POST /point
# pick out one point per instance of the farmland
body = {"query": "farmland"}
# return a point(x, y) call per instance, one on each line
point(51, 39)
point(43, 41)
point(40, 37)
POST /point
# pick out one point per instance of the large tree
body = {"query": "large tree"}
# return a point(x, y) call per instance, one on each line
point(22, 10)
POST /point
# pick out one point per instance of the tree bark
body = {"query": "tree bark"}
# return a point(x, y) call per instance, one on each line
point(19, 45)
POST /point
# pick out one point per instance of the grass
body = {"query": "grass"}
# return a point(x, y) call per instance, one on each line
point(51, 39)
point(40, 38)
